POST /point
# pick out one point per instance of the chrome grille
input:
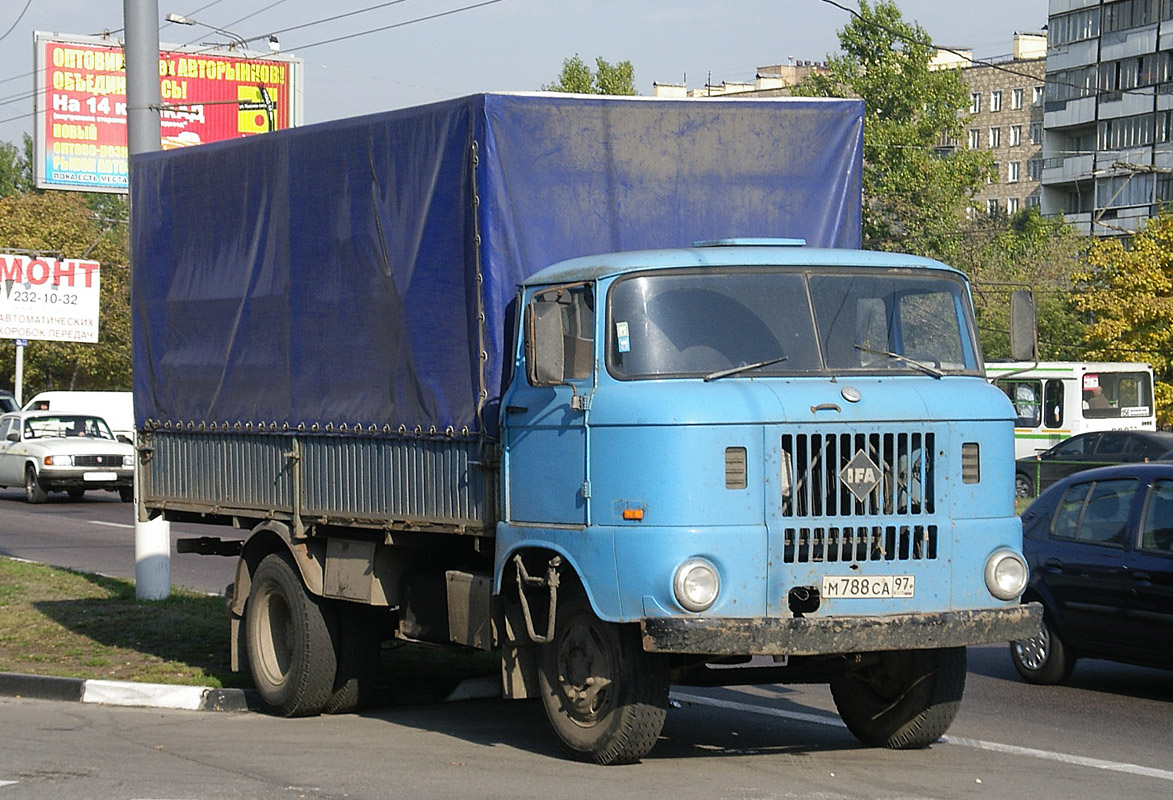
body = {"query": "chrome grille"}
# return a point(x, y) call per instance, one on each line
point(811, 465)
point(860, 543)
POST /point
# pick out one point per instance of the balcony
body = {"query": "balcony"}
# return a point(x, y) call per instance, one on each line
point(1068, 169)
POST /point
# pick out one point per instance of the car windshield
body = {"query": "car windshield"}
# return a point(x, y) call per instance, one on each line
point(60, 426)
point(770, 321)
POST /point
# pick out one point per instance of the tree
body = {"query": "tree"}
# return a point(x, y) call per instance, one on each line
point(16, 168)
point(62, 222)
point(915, 198)
point(1127, 295)
point(577, 77)
point(1032, 250)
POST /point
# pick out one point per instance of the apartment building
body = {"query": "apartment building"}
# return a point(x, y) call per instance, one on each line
point(1108, 113)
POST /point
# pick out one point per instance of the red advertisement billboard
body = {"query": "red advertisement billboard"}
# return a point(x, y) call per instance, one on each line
point(207, 95)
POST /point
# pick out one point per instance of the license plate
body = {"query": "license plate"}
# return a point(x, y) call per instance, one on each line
point(857, 586)
point(100, 476)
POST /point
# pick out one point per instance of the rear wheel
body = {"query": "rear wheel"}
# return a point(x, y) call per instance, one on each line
point(290, 651)
point(33, 492)
point(1024, 487)
point(1043, 658)
point(903, 700)
point(357, 648)
point(604, 696)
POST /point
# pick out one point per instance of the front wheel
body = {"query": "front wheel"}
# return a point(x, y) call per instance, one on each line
point(33, 491)
point(1024, 487)
point(604, 696)
point(1042, 659)
point(290, 651)
point(904, 699)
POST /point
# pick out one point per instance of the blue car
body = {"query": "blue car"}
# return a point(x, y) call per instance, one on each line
point(1100, 549)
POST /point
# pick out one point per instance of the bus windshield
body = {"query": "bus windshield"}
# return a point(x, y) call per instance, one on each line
point(747, 322)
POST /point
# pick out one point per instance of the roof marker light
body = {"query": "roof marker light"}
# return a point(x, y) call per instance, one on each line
point(751, 243)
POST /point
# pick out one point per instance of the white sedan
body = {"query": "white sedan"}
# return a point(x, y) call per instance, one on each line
point(58, 452)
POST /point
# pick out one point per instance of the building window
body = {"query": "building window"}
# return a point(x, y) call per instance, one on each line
point(1016, 99)
point(1128, 14)
point(995, 174)
point(1036, 97)
point(1073, 27)
point(996, 100)
point(1011, 205)
point(1036, 133)
point(995, 137)
point(992, 206)
point(1033, 201)
point(1015, 135)
point(1013, 169)
point(975, 102)
point(975, 138)
point(1034, 169)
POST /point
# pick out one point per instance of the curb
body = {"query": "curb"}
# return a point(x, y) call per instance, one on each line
point(126, 693)
point(187, 698)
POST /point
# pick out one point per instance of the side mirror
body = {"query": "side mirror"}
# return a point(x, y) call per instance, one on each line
point(1023, 326)
point(14, 436)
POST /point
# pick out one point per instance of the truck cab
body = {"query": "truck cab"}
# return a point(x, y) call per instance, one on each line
point(755, 449)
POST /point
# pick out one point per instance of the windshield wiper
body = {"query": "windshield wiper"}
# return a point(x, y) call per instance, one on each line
point(725, 373)
point(912, 362)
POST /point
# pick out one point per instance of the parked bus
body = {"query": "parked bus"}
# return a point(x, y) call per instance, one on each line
point(1054, 400)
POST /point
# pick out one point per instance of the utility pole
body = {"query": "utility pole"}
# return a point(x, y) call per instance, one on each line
point(152, 537)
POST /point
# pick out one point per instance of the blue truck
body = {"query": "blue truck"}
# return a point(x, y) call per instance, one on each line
point(518, 372)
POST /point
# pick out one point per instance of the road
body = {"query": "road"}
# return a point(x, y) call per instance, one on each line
point(97, 535)
point(1107, 733)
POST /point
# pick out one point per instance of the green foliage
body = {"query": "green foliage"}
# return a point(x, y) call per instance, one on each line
point(16, 168)
point(915, 198)
point(576, 77)
point(1127, 295)
point(62, 223)
point(1030, 250)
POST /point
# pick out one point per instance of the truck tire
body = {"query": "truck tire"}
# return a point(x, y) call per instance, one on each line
point(357, 646)
point(33, 491)
point(604, 696)
point(290, 651)
point(905, 701)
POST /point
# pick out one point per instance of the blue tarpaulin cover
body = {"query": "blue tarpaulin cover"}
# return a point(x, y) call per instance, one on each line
point(329, 274)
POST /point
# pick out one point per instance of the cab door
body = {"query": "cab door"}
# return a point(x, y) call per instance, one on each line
point(544, 414)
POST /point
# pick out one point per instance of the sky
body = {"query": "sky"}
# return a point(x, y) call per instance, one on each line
point(413, 52)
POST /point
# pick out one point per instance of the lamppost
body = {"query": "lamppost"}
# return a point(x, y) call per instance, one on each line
point(237, 39)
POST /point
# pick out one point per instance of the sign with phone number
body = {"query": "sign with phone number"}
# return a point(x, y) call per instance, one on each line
point(47, 299)
point(877, 586)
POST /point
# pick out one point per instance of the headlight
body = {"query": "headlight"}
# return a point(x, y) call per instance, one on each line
point(696, 584)
point(1006, 574)
point(128, 461)
point(58, 461)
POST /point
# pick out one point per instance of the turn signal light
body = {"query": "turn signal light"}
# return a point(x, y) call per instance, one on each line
point(636, 514)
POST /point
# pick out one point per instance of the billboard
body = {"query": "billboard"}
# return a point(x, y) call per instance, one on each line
point(44, 298)
point(79, 137)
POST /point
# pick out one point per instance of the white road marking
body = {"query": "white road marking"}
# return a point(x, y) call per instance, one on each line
point(7, 783)
point(110, 524)
point(977, 744)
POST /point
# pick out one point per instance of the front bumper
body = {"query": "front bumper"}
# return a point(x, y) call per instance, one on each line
point(808, 636)
point(61, 479)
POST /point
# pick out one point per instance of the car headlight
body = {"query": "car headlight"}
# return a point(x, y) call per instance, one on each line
point(128, 460)
point(1006, 574)
point(696, 584)
point(58, 461)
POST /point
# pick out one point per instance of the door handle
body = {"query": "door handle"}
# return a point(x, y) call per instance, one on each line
point(516, 409)
point(1142, 579)
point(1053, 566)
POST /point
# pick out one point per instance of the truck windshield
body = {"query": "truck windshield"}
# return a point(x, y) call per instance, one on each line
point(694, 323)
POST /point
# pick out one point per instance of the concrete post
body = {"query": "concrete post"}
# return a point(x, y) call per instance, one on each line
point(152, 537)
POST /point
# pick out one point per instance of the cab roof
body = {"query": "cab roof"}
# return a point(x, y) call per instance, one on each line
point(725, 253)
